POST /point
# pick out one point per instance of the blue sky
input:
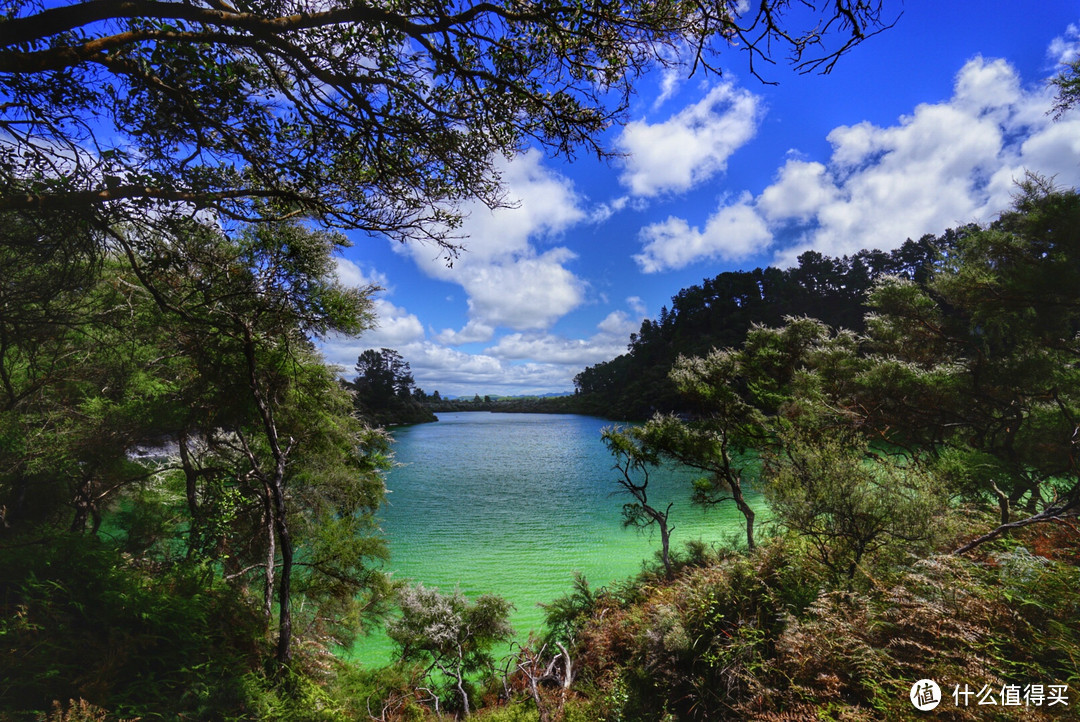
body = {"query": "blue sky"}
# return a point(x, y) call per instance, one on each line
point(921, 128)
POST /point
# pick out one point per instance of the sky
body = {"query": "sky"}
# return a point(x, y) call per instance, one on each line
point(924, 127)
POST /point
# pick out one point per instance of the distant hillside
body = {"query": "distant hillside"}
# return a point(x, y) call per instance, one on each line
point(718, 313)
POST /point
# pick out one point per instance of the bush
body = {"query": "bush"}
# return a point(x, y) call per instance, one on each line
point(77, 621)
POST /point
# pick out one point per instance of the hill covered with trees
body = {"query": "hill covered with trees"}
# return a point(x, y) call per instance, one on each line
point(719, 312)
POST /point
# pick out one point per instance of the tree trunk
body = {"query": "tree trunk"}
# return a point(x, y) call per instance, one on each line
point(271, 556)
point(665, 545)
point(276, 492)
point(460, 676)
point(736, 494)
point(284, 646)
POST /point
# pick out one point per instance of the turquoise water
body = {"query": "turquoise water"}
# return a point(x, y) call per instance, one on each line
point(514, 504)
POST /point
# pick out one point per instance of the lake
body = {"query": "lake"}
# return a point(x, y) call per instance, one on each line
point(514, 504)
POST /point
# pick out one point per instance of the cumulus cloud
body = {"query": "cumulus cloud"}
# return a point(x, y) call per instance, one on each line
point(608, 342)
point(510, 281)
point(394, 326)
point(733, 231)
point(800, 189)
point(351, 274)
point(944, 164)
point(604, 211)
point(473, 332)
point(532, 361)
point(454, 372)
point(1064, 49)
point(691, 146)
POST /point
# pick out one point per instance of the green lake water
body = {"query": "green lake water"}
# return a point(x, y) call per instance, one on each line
point(514, 504)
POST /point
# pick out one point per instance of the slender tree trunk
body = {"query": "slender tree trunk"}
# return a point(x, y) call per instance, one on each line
point(271, 556)
point(83, 502)
point(665, 539)
point(736, 494)
point(276, 492)
point(1003, 503)
point(284, 645)
point(460, 675)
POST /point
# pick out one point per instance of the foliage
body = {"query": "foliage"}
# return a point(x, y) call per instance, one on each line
point(162, 407)
point(79, 622)
point(850, 505)
point(721, 312)
point(980, 364)
point(76, 711)
point(448, 633)
point(734, 397)
point(385, 391)
point(765, 637)
point(633, 459)
point(564, 615)
point(880, 450)
point(1067, 83)
point(371, 116)
point(176, 412)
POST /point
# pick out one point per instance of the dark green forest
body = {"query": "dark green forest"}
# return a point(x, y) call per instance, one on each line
point(719, 312)
point(188, 491)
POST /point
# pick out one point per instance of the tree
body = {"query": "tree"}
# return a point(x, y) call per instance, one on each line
point(382, 376)
point(1067, 83)
point(208, 348)
point(633, 459)
point(367, 115)
point(450, 634)
point(385, 392)
point(978, 368)
point(249, 307)
point(721, 311)
point(849, 504)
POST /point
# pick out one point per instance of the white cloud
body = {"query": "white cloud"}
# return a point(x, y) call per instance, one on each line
point(454, 372)
point(609, 341)
point(945, 164)
point(351, 274)
point(527, 293)
point(691, 146)
point(472, 332)
point(540, 205)
point(732, 232)
point(554, 349)
point(394, 326)
point(619, 325)
point(604, 211)
point(799, 191)
point(1065, 48)
point(671, 78)
point(508, 280)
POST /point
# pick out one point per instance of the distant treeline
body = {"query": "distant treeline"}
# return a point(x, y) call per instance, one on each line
point(508, 404)
point(719, 312)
